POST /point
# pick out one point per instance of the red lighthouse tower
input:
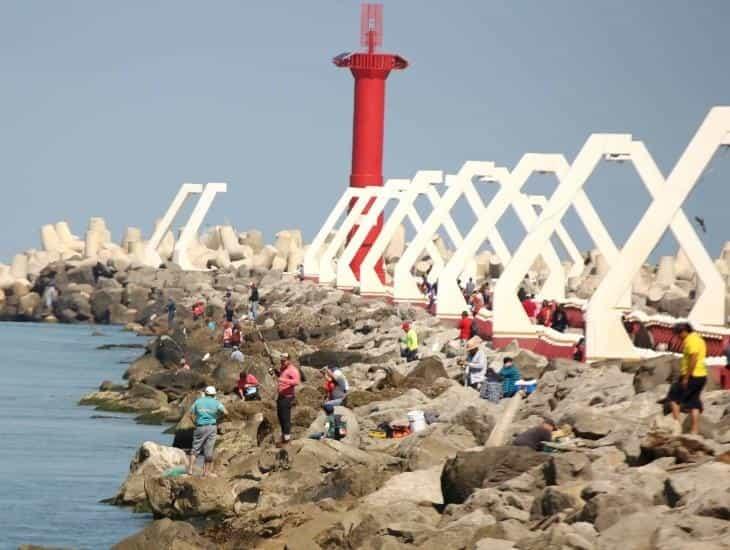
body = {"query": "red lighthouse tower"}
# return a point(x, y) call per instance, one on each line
point(370, 70)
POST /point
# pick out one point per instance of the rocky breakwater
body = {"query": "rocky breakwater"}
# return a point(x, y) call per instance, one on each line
point(95, 280)
point(626, 477)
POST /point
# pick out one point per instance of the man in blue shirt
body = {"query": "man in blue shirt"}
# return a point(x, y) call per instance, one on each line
point(205, 413)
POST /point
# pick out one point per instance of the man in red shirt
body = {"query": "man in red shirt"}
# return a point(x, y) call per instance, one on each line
point(464, 328)
point(288, 379)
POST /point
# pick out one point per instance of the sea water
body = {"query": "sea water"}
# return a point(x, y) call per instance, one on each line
point(57, 459)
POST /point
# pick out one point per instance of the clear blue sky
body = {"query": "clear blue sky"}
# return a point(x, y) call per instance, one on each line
point(106, 107)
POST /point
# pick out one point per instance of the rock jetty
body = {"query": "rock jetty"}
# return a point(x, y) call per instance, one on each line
point(625, 475)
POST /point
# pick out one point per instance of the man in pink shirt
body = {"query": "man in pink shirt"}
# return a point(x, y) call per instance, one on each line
point(288, 379)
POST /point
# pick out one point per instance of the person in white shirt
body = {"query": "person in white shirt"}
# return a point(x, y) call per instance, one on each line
point(475, 363)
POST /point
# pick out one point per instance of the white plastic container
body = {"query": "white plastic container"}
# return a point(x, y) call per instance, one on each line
point(416, 421)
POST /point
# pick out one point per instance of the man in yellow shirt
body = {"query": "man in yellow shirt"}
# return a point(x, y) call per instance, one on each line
point(410, 342)
point(685, 393)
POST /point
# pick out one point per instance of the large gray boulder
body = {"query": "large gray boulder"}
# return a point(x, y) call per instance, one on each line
point(150, 460)
point(166, 534)
point(486, 467)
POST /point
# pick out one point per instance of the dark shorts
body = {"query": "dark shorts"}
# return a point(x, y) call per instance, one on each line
point(689, 397)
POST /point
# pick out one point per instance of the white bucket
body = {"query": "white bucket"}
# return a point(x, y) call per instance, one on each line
point(416, 421)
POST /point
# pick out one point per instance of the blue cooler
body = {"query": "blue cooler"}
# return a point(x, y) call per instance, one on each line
point(528, 386)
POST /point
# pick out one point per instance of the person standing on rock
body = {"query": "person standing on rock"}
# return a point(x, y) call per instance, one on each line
point(50, 295)
point(410, 342)
point(469, 287)
point(288, 379)
point(686, 392)
point(229, 307)
point(171, 308)
point(464, 328)
point(253, 301)
point(205, 411)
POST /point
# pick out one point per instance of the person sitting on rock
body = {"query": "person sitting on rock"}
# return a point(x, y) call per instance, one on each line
point(237, 355)
point(288, 379)
point(236, 335)
point(545, 317)
point(535, 437)
point(409, 341)
point(247, 387)
point(335, 426)
point(198, 310)
point(205, 411)
point(211, 324)
point(560, 319)
point(335, 384)
point(685, 394)
point(475, 363)
point(184, 366)
point(227, 335)
point(509, 375)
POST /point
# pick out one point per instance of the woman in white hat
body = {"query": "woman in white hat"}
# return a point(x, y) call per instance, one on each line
point(476, 363)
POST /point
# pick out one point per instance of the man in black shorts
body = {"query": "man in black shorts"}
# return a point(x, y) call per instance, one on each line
point(684, 395)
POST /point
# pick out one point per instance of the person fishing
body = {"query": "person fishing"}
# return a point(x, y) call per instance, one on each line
point(253, 301)
point(335, 384)
point(205, 411)
point(288, 378)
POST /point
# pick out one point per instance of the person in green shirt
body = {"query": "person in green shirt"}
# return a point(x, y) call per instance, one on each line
point(410, 342)
point(686, 392)
point(205, 412)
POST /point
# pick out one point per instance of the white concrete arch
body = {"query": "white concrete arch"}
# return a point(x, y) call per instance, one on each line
point(605, 336)
point(317, 246)
point(576, 258)
point(191, 228)
point(152, 258)
point(365, 196)
point(510, 320)
point(406, 192)
point(450, 298)
point(405, 285)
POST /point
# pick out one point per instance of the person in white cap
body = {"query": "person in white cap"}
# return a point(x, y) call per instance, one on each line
point(205, 413)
